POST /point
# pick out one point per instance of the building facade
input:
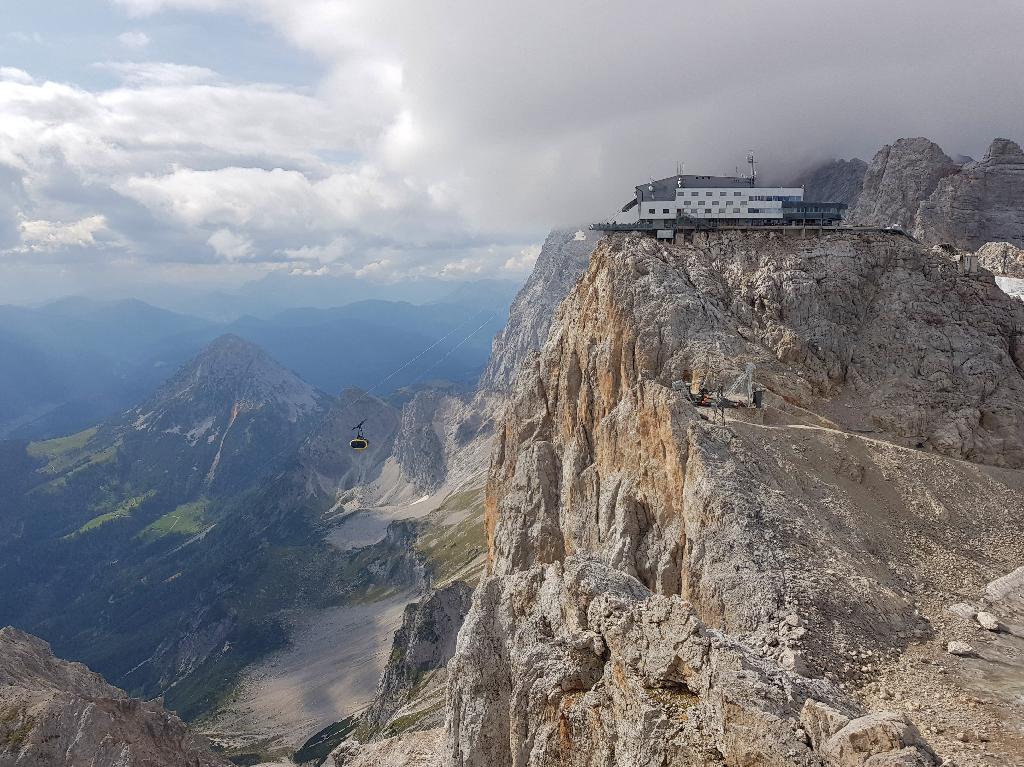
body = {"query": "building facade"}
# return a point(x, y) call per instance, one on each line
point(682, 201)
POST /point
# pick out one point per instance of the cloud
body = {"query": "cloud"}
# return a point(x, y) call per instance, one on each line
point(53, 235)
point(15, 75)
point(446, 139)
point(134, 39)
point(230, 245)
point(157, 73)
point(524, 260)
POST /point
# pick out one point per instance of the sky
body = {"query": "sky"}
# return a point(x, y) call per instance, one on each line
point(151, 145)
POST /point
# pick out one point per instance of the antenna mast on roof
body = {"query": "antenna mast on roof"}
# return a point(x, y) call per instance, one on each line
point(752, 162)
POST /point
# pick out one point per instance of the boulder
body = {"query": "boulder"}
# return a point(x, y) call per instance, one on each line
point(961, 649)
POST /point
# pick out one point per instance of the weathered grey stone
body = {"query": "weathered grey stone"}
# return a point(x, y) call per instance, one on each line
point(53, 713)
point(982, 202)
point(1002, 258)
point(422, 647)
point(957, 647)
point(884, 739)
point(562, 259)
point(611, 501)
point(987, 621)
point(901, 175)
point(963, 610)
point(833, 181)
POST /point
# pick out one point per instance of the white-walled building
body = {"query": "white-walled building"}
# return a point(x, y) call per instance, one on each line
point(681, 201)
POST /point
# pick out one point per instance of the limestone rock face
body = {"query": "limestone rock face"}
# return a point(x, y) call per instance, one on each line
point(833, 181)
point(1002, 258)
point(419, 448)
point(901, 175)
point(984, 202)
point(415, 749)
point(667, 590)
point(444, 435)
point(562, 259)
point(53, 712)
point(422, 647)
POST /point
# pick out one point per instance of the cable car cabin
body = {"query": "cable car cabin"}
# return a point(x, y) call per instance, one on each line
point(359, 443)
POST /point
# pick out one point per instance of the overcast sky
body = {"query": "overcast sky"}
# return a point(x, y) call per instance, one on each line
point(213, 141)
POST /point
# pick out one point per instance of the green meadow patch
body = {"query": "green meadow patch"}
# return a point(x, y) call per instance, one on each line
point(187, 519)
point(122, 510)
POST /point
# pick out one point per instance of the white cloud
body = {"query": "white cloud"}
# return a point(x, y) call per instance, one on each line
point(524, 260)
point(15, 75)
point(230, 245)
point(450, 152)
point(159, 73)
point(134, 39)
point(53, 235)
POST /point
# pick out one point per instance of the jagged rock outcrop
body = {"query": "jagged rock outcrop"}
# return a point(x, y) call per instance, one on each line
point(665, 590)
point(833, 181)
point(443, 436)
point(983, 202)
point(1002, 258)
point(53, 712)
point(440, 429)
point(415, 749)
point(901, 175)
point(422, 647)
point(562, 259)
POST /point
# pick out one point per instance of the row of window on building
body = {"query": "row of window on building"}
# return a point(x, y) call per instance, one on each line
point(702, 209)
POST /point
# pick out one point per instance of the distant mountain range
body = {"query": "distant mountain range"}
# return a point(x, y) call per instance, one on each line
point(277, 292)
point(165, 546)
point(74, 362)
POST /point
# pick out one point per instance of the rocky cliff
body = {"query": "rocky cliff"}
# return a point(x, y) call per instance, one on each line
point(1002, 258)
point(443, 436)
point(562, 259)
point(833, 181)
point(664, 589)
point(441, 430)
point(410, 695)
point(57, 713)
point(901, 175)
point(984, 202)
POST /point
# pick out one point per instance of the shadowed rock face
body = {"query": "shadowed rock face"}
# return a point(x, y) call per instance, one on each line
point(53, 712)
point(563, 258)
point(664, 590)
point(899, 178)
point(423, 645)
point(982, 203)
point(833, 181)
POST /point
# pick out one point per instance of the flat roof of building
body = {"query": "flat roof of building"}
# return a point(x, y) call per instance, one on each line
point(665, 188)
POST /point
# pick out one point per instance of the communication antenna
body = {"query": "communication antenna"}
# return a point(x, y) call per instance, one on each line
point(752, 162)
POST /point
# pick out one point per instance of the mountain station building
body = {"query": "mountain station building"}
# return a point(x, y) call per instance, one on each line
point(683, 202)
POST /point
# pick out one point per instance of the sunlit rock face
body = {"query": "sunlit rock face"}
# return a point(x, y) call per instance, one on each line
point(53, 712)
point(666, 589)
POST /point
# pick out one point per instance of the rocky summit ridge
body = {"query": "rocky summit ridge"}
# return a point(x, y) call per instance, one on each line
point(785, 587)
point(53, 712)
